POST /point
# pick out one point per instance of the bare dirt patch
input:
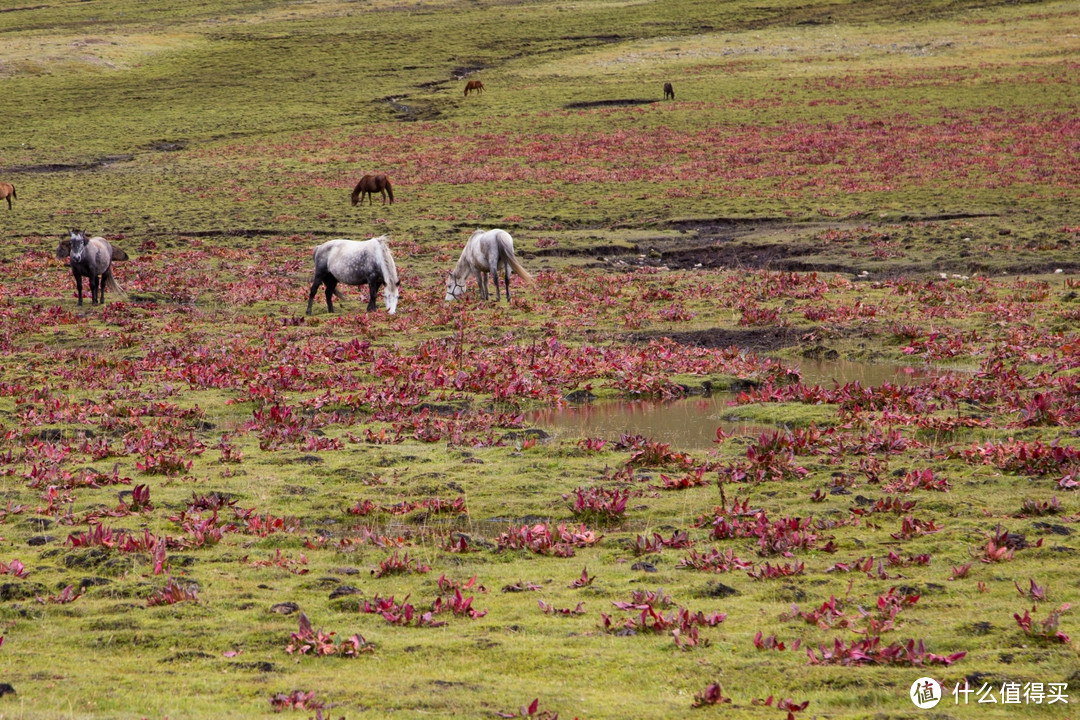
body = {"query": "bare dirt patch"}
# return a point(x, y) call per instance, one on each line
point(760, 340)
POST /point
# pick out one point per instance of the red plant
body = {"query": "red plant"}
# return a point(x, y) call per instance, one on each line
point(520, 586)
point(296, 700)
point(403, 613)
point(911, 527)
point(542, 540)
point(458, 604)
point(532, 710)
point(173, 593)
point(584, 581)
point(651, 621)
point(869, 651)
point(712, 695)
point(768, 572)
point(918, 480)
point(592, 444)
point(714, 561)
point(279, 559)
point(1049, 631)
point(828, 616)
point(961, 572)
point(552, 610)
point(65, 596)
point(692, 479)
point(599, 504)
point(1034, 508)
point(787, 704)
point(306, 639)
point(445, 584)
point(15, 568)
point(767, 643)
point(1036, 592)
point(395, 565)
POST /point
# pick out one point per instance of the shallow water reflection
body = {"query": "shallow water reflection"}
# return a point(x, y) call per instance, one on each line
point(690, 423)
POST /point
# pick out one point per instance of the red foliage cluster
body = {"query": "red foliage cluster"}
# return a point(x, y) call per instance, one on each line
point(869, 651)
point(542, 540)
point(308, 640)
point(172, 593)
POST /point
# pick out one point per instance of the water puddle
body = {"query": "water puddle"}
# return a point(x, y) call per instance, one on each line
point(690, 423)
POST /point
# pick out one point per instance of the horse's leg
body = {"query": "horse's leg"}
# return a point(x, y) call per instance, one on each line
point(481, 282)
point(494, 270)
point(331, 285)
point(506, 279)
point(78, 286)
point(311, 295)
point(373, 287)
point(101, 288)
point(94, 281)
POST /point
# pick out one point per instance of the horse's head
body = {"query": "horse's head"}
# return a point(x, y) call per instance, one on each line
point(454, 287)
point(78, 245)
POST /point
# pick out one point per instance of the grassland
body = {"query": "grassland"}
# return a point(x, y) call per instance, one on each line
point(874, 181)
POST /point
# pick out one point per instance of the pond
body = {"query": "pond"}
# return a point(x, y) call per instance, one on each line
point(690, 423)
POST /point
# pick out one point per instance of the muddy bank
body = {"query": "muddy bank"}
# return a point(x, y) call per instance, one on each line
point(759, 340)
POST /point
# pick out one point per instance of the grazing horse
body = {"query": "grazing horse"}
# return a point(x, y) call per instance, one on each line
point(92, 259)
point(370, 184)
point(486, 252)
point(669, 92)
point(473, 85)
point(355, 262)
point(7, 191)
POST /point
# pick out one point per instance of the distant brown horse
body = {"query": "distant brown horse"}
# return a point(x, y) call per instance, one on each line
point(473, 85)
point(370, 184)
point(669, 92)
point(7, 191)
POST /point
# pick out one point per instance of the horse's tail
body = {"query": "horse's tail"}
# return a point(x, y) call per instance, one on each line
point(389, 190)
point(389, 273)
point(110, 282)
point(13, 192)
point(506, 250)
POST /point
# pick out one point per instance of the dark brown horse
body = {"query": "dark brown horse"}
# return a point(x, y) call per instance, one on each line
point(7, 191)
point(473, 85)
point(370, 184)
point(669, 92)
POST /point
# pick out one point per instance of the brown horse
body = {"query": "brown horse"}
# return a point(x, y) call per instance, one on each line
point(473, 85)
point(7, 191)
point(669, 92)
point(370, 184)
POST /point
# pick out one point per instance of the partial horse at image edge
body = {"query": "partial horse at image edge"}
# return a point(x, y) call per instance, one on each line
point(355, 262)
point(370, 184)
point(7, 191)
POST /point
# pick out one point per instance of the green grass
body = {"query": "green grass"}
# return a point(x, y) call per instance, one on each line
point(876, 144)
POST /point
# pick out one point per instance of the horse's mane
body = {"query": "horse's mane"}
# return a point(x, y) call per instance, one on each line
point(386, 263)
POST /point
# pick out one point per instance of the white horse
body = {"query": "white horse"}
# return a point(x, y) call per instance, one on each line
point(91, 259)
point(486, 252)
point(355, 262)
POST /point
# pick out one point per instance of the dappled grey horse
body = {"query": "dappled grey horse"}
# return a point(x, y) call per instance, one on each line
point(355, 262)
